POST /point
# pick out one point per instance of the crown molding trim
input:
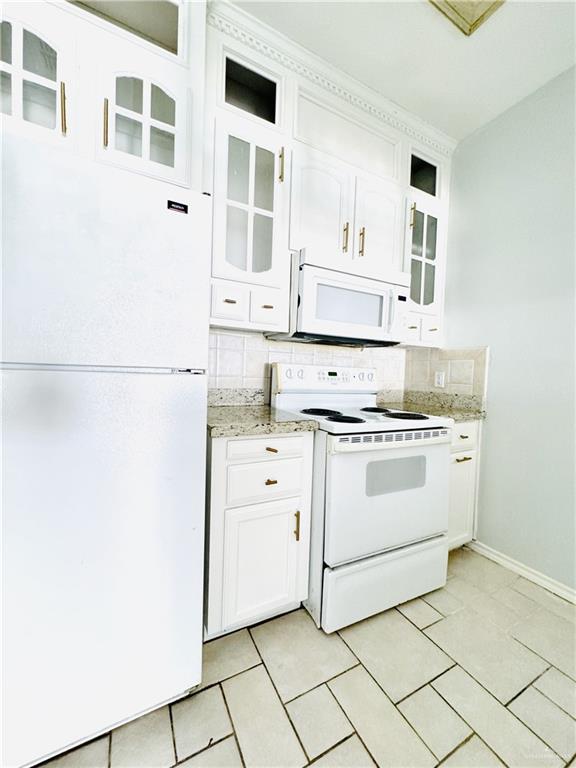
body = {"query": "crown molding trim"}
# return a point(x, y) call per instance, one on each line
point(227, 26)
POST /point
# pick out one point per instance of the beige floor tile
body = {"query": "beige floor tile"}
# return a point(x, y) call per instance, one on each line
point(551, 637)
point(227, 656)
point(455, 558)
point(495, 660)
point(319, 721)
point(463, 590)
point(200, 720)
point(547, 720)
point(473, 754)
point(546, 599)
point(398, 656)
point(483, 603)
point(386, 734)
point(350, 754)
point(264, 732)
point(299, 656)
point(559, 689)
point(482, 572)
point(521, 605)
point(225, 754)
point(436, 723)
point(93, 755)
point(420, 613)
point(146, 742)
point(443, 601)
point(500, 729)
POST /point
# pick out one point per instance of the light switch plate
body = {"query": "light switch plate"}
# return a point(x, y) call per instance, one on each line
point(439, 379)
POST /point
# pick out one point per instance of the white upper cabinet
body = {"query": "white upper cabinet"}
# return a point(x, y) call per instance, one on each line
point(37, 75)
point(424, 254)
point(250, 204)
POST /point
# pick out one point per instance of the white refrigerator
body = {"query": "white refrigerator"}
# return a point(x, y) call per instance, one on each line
point(104, 358)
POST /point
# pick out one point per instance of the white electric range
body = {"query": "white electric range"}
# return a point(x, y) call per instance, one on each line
point(380, 493)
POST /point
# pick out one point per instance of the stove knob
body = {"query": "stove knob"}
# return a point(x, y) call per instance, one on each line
point(370, 377)
point(301, 373)
point(361, 375)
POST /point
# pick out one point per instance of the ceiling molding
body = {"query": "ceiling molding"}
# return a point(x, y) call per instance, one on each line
point(220, 18)
point(467, 15)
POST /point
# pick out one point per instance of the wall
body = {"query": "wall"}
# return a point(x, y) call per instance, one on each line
point(511, 286)
point(242, 361)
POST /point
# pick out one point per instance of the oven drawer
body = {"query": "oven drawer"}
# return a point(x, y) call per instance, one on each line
point(356, 591)
point(265, 448)
point(465, 436)
point(248, 483)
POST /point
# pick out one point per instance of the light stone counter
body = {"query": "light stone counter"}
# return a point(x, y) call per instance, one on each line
point(239, 420)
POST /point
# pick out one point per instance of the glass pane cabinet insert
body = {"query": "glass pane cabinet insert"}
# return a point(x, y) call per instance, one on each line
point(423, 245)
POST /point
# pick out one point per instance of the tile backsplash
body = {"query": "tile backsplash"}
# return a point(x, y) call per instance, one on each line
point(465, 371)
point(242, 361)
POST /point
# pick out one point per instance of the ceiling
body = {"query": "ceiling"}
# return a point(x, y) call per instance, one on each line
point(413, 55)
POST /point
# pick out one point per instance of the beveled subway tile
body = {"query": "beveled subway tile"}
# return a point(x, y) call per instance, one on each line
point(319, 721)
point(499, 663)
point(145, 742)
point(558, 688)
point(200, 720)
point(420, 613)
point(386, 734)
point(398, 656)
point(548, 721)
point(299, 656)
point(551, 637)
point(500, 729)
point(227, 656)
point(264, 732)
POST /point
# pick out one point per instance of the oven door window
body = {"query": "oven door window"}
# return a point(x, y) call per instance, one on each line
point(393, 475)
point(344, 305)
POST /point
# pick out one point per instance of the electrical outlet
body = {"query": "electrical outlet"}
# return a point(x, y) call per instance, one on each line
point(439, 379)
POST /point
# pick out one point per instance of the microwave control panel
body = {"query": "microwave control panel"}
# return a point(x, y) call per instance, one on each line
point(321, 378)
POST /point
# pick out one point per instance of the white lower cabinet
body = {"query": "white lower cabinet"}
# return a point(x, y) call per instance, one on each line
point(463, 484)
point(258, 545)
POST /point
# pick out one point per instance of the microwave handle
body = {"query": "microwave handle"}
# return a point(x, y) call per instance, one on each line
point(391, 310)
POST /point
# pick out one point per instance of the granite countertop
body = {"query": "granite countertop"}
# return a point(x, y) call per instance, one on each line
point(238, 420)
point(450, 411)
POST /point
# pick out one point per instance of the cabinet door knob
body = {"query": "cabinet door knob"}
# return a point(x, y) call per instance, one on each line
point(230, 301)
point(272, 450)
point(271, 482)
point(362, 241)
point(63, 124)
point(345, 238)
point(464, 458)
point(105, 124)
point(297, 529)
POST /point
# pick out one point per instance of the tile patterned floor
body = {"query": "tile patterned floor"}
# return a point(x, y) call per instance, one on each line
point(480, 673)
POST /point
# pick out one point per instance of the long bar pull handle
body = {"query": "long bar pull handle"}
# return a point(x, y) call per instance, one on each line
point(464, 458)
point(412, 214)
point(63, 123)
point(346, 236)
point(271, 482)
point(282, 162)
point(297, 529)
point(272, 450)
point(105, 127)
point(362, 241)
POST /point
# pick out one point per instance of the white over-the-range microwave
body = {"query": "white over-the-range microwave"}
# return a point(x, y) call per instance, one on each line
point(332, 307)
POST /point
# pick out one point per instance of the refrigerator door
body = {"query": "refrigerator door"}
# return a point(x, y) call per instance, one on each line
point(98, 269)
point(103, 539)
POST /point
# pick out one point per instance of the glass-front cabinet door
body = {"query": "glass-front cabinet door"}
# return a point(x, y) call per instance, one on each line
point(424, 252)
point(250, 198)
point(35, 72)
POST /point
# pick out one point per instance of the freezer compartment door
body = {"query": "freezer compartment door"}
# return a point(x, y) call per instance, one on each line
point(379, 500)
point(103, 538)
point(97, 268)
point(356, 591)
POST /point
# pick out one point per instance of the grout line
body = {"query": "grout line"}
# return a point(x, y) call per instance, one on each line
point(516, 695)
point(339, 744)
point(172, 732)
point(110, 749)
point(432, 679)
point(201, 751)
point(325, 682)
point(232, 721)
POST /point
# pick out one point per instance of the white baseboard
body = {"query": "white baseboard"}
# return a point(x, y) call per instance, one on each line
point(523, 570)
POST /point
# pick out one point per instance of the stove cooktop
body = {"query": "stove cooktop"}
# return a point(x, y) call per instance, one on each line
point(348, 420)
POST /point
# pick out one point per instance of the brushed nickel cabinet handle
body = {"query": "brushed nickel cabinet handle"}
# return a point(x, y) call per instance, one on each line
point(346, 235)
point(412, 214)
point(464, 458)
point(282, 160)
point(297, 529)
point(267, 306)
point(272, 450)
point(362, 241)
point(230, 301)
point(105, 127)
point(63, 124)
point(271, 482)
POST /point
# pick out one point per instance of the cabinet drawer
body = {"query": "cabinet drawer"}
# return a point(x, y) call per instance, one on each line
point(229, 301)
point(465, 436)
point(266, 448)
point(266, 306)
point(259, 482)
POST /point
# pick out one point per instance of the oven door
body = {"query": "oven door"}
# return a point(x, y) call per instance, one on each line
point(337, 304)
point(379, 499)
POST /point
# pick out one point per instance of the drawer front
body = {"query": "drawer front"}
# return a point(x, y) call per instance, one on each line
point(249, 483)
point(465, 436)
point(229, 301)
point(265, 448)
point(267, 307)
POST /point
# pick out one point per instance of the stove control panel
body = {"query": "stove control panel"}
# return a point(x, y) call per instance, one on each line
point(291, 377)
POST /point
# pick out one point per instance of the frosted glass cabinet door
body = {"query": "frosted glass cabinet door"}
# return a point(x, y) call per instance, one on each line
point(250, 196)
point(424, 255)
point(37, 78)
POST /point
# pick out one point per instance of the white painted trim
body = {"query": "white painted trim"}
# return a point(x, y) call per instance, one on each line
point(241, 26)
point(567, 593)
